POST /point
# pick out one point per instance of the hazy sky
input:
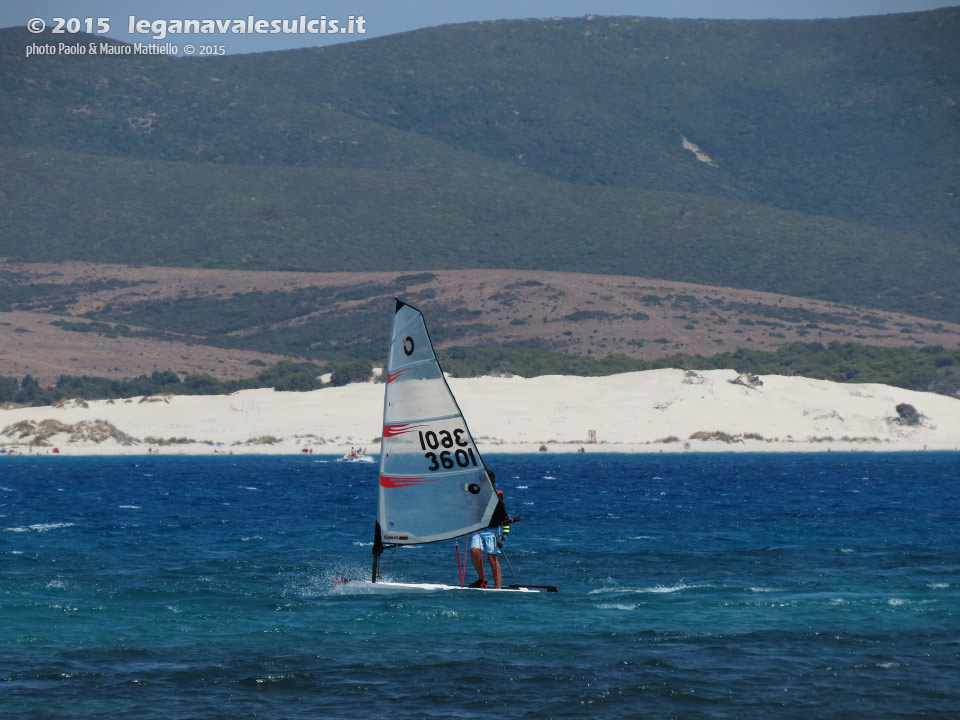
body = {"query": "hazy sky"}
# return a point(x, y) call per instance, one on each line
point(384, 17)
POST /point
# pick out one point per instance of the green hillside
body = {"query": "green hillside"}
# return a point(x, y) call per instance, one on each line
point(542, 144)
point(826, 117)
point(211, 215)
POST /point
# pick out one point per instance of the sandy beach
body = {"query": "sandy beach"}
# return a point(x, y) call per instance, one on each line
point(654, 411)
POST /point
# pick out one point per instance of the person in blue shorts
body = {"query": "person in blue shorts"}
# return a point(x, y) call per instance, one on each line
point(486, 541)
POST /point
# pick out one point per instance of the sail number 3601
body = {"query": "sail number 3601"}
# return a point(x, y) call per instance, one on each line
point(448, 459)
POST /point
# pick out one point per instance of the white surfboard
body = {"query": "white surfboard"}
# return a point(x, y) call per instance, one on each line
point(382, 586)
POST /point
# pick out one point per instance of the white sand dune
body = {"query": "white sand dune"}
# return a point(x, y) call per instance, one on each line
point(654, 411)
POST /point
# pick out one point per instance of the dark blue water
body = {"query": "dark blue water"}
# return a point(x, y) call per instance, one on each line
point(693, 586)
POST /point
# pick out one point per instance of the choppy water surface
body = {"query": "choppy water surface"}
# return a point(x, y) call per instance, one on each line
point(692, 586)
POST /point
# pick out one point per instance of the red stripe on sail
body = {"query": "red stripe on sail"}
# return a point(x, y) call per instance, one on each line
point(394, 430)
point(399, 482)
point(393, 376)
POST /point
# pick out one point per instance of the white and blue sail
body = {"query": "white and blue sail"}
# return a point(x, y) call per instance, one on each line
point(433, 484)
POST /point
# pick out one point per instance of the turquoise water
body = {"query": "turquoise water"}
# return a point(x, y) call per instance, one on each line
point(713, 586)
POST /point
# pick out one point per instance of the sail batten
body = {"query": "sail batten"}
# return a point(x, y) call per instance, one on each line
point(433, 484)
point(424, 420)
point(422, 362)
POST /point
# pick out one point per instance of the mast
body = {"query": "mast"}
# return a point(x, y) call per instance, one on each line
point(377, 552)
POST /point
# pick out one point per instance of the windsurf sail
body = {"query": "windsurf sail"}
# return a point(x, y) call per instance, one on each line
point(433, 483)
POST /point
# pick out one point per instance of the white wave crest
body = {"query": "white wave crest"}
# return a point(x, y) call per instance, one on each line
point(669, 588)
point(657, 589)
point(40, 527)
point(617, 606)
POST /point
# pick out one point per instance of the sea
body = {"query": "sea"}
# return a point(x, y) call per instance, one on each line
point(691, 586)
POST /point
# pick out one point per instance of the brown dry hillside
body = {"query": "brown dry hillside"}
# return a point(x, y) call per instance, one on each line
point(568, 312)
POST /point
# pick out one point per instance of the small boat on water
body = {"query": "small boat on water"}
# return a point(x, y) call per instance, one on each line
point(356, 455)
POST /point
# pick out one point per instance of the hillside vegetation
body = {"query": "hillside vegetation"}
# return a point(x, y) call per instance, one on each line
point(119, 322)
point(559, 144)
point(930, 369)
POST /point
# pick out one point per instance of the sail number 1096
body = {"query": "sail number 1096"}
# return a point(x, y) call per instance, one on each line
point(463, 456)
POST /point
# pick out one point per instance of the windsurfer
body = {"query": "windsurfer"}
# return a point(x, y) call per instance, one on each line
point(487, 541)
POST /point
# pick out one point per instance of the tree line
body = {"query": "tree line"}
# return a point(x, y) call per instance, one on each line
point(928, 369)
point(286, 375)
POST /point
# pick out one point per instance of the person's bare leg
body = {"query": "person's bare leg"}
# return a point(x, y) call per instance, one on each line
point(476, 555)
point(495, 570)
